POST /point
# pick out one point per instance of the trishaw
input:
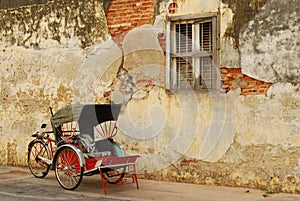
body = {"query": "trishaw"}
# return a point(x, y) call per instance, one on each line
point(82, 145)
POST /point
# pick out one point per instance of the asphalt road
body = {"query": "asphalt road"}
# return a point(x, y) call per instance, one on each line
point(22, 186)
point(23, 190)
point(17, 183)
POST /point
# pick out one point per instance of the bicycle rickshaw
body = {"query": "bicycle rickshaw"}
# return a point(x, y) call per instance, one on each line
point(82, 145)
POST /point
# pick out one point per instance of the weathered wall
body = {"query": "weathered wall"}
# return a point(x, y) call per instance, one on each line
point(19, 3)
point(41, 53)
point(270, 43)
point(56, 56)
point(63, 23)
point(230, 145)
point(235, 14)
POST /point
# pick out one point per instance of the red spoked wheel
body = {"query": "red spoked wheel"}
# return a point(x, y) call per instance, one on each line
point(39, 158)
point(68, 168)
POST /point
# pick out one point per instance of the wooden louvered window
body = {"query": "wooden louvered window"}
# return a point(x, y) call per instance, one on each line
point(193, 53)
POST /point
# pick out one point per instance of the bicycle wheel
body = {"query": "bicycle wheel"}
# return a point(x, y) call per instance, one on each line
point(68, 170)
point(114, 176)
point(39, 158)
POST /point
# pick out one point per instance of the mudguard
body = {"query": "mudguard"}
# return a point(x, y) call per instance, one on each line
point(76, 149)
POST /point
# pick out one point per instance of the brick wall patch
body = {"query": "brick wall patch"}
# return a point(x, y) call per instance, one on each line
point(123, 15)
point(233, 78)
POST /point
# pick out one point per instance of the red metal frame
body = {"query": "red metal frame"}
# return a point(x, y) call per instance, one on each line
point(115, 161)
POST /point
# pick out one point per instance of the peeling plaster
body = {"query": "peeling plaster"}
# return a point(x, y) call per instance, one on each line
point(97, 73)
point(139, 71)
point(243, 12)
point(70, 25)
point(270, 43)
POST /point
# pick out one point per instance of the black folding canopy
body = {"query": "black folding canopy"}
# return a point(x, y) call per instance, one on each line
point(87, 116)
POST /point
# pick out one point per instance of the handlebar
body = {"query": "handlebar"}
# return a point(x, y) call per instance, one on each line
point(51, 111)
point(48, 132)
point(42, 135)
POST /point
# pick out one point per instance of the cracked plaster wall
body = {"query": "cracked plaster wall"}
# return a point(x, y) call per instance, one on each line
point(231, 131)
point(62, 23)
point(42, 48)
point(261, 37)
point(201, 138)
point(270, 43)
point(230, 146)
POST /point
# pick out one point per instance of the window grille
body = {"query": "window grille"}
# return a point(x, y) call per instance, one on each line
point(192, 55)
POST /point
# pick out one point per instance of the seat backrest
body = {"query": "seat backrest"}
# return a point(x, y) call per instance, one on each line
point(105, 145)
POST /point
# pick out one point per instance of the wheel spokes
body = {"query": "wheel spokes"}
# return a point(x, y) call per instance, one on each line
point(68, 169)
point(37, 155)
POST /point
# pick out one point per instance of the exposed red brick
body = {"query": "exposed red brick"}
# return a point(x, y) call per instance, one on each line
point(136, 13)
point(262, 91)
point(233, 77)
point(225, 86)
point(187, 161)
point(237, 75)
point(258, 82)
point(265, 86)
point(252, 83)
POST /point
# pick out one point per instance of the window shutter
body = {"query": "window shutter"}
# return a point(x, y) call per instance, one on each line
point(206, 43)
point(192, 52)
point(206, 47)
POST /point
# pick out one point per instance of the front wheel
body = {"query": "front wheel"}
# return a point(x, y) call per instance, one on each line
point(39, 158)
point(68, 169)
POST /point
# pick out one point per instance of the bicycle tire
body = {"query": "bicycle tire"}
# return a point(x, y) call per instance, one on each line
point(68, 170)
point(114, 176)
point(37, 149)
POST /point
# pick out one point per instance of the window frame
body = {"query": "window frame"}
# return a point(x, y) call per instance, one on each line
point(196, 20)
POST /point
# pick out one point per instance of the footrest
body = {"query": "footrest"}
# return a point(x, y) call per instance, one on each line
point(115, 161)
point(112, 163)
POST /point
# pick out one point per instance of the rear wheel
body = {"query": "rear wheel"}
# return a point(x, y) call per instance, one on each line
point(39, 158)
point(68, 170)
point(113, 176)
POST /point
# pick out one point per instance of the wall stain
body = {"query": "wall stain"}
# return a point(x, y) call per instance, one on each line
point(255, 167)
point(12, 158)
point(244, 11)
point(28, 25)
point(5, 4)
